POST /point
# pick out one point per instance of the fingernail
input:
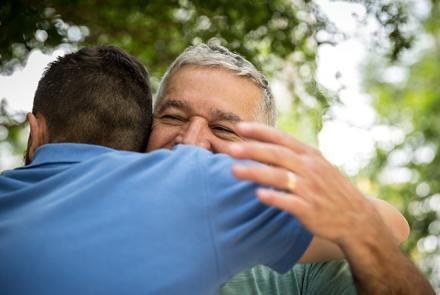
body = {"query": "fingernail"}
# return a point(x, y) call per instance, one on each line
point(263, 194)
point(238, 168)
point(244, 125)
point(236, 148)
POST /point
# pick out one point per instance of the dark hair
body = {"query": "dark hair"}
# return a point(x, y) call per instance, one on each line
point(97, 95)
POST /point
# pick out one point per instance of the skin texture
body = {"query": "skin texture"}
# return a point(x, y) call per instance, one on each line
point(206, 113)
point(333, 210)
point(343, 221)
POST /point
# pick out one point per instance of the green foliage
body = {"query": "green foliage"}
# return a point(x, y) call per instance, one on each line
point(156, 31)
point(11, 130)
point(392, 17)
point(269, 33)
point(266, 32)
point(413, 106)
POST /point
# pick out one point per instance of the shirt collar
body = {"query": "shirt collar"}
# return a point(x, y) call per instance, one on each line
point(67, 152)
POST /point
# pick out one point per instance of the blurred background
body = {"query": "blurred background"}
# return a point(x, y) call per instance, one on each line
point(358, 79)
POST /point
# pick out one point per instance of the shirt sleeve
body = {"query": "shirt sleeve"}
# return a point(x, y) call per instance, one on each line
point(245, 231)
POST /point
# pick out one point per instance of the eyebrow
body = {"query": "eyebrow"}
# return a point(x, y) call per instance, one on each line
point(186, 106)
point(174, 103)
point(226, 116)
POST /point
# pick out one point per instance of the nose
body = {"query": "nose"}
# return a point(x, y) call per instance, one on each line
point(196, 133)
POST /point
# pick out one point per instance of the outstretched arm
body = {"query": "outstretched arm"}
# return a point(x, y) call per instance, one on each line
point(327, 203)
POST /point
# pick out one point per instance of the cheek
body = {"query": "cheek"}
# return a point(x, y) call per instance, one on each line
point(162, 137)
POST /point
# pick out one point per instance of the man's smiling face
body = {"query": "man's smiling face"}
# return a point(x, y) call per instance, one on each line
point(201, 106)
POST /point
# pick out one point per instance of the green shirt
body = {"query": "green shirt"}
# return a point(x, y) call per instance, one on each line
point(317, 278)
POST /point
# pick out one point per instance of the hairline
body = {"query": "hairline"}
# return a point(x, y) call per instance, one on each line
point(265, 112)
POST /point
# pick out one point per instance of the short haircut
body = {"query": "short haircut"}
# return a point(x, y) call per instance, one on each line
point(216, 56)
point(97, 95)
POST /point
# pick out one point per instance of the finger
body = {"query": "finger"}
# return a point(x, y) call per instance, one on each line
point(261, 132)
point(272, 176)
point(269, 154)
point(291, 203)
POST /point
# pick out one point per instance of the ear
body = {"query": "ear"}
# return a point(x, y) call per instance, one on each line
point(38, 133)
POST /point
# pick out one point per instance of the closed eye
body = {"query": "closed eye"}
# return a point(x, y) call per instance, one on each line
point(218, 128)
point(169, 117)
point(222, 129)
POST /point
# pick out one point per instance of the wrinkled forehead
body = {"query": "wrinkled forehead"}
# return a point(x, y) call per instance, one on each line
point(217, 89)
point(210, 112)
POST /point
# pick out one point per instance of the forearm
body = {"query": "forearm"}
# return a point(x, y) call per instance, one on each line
point(379, 267)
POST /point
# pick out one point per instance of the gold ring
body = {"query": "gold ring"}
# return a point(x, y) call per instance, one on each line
point(291, 181)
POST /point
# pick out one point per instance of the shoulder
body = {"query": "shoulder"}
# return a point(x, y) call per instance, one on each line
point(180, 160)
point(213, 166)
point(183, 153)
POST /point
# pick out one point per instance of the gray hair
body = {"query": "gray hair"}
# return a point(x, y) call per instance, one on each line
point(213, 55)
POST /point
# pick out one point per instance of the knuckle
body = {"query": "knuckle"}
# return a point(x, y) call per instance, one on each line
point(280, 136)
point(248, 148)
point(313, 165)
point(313, 189)
point(276, 154)
point(280, 177)
point(258, 174)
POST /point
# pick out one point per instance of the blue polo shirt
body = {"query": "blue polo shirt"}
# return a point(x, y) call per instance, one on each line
point(85, 219)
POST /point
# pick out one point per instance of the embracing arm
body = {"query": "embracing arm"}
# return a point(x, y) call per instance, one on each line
point(367, 231)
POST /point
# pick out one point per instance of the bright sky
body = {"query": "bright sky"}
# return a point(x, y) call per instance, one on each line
point(345, 141)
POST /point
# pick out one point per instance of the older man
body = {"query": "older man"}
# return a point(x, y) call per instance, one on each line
point(202, 97)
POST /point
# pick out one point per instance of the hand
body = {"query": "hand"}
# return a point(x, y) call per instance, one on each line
point(315, 192)
point(329, 206)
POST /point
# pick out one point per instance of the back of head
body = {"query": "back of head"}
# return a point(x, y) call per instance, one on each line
point(215, 56)
point(97, 95)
